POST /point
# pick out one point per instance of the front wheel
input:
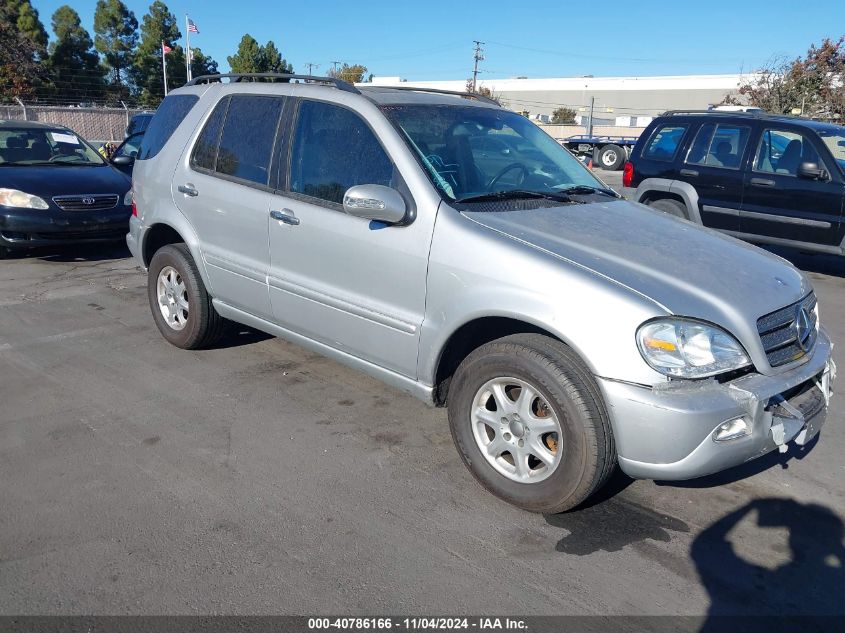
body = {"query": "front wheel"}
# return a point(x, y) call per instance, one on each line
point(179, 301)
point(530, 424)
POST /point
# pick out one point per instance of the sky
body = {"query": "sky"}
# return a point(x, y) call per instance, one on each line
point(433, 39)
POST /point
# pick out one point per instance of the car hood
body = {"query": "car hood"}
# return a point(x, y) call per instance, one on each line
point(685, 268)
point(49, 181)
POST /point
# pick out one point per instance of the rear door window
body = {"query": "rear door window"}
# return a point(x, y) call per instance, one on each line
point(664, 143)
point(204, 155)
point(169, 115)
point(719, 145)
point(249, 133)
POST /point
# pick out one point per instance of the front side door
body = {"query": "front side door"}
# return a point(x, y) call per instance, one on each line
point(224, 188)
point(714, 166)
point(777, 203)
point(351, 283)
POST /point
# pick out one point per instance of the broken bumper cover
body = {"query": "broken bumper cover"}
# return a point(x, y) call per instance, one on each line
point(668, 432)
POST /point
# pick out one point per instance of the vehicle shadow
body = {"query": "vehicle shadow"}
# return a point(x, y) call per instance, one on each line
point(238, 335)
point(807, 578)
point(79, 253)
point(748, 469)
point(821, 263)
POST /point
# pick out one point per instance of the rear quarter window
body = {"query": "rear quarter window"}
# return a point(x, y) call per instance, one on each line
point(169, 115)
point(664, 143)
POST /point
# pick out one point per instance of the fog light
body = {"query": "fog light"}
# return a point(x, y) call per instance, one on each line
point(731, 430)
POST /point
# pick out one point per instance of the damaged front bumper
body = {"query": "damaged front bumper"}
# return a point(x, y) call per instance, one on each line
point(670, 432)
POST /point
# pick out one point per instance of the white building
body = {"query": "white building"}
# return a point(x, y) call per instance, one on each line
point(625, 101)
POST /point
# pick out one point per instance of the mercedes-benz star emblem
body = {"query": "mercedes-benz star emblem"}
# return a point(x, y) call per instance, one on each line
point(803, 329)
point(88, 200)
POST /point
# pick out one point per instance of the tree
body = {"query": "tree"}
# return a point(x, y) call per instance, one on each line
point(116, 36)
point(812, 84)
point(563, 116)
point(158, 25)
point(251, 57)
point(272, 60)
point(18, 67)
point(484, 91)
point(202, 64)
point(73, 63)
point(351, 74)
point(26, 22)
point(248, 57)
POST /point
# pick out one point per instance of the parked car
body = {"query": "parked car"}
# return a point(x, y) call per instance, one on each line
point(124, 155)
point(763, 178)
point(56, 188)
point(138, 123)
point(566, 329)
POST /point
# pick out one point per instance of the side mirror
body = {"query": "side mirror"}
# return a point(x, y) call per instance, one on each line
point(811, 171)
point(122, 161)
point(375, 202)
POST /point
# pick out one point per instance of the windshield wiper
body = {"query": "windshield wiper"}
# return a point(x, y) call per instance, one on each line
point(516, 194)
point(587, 189)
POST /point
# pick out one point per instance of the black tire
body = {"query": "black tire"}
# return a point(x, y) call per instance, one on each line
point(611, 157)
point(566, 384)
point(203, 326)
point(4, 253)
point(672, 207)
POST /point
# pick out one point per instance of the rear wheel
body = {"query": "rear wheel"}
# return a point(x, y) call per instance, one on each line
point(672, 207)
point(4, 252)
point(530, 424)
point(611, 157)
point(180, 304)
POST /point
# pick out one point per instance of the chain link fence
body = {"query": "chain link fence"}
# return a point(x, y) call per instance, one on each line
point(93, 124)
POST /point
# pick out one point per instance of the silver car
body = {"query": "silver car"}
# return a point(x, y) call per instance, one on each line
point(452, 249)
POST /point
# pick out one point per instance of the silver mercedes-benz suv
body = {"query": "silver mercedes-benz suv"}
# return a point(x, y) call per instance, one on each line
point(452, 249)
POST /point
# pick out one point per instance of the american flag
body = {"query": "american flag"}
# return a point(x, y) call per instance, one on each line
point(165, 48)
point(192, 28)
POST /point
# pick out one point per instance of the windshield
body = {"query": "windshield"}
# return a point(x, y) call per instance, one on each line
point(41, 146)
point(834, 138)
point(471, 151)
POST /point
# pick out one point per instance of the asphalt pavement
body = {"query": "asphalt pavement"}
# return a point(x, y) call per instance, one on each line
point(259, 478)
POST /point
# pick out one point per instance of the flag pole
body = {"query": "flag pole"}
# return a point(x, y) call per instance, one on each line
point(188, 52)
point(164, 67)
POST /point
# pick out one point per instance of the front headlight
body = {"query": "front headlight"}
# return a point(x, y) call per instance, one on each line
point(22, 200)
point(682, 348)
point(128, 199)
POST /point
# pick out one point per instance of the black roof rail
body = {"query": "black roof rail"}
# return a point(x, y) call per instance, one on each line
point(753, 113)
point(283, 77)
point(457, 93)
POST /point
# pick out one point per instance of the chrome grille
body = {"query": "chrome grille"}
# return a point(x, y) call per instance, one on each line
point(789, 333)
point(87, 202)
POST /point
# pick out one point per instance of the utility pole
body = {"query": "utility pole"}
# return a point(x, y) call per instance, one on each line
point(592, 107)
point(335, 64)
point(311, 67)
point(477, 57)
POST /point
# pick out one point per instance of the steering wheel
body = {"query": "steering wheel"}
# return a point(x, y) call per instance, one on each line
point(506, 170)
point(71, 158)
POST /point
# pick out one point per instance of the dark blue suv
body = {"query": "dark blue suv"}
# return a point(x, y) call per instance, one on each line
point(763, 178)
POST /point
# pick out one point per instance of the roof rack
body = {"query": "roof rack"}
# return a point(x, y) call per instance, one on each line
point(283, 77)
point(457, 93)
point(753, 113)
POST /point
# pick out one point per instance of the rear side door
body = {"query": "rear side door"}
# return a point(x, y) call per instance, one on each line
point(224, 188)
point(353, 284)
point(779, 204)
point(714, 166)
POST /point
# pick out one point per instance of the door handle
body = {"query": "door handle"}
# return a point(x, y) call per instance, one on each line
point(762, 182)
point(285, 215)
point(689, 172)
point(188, 190)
